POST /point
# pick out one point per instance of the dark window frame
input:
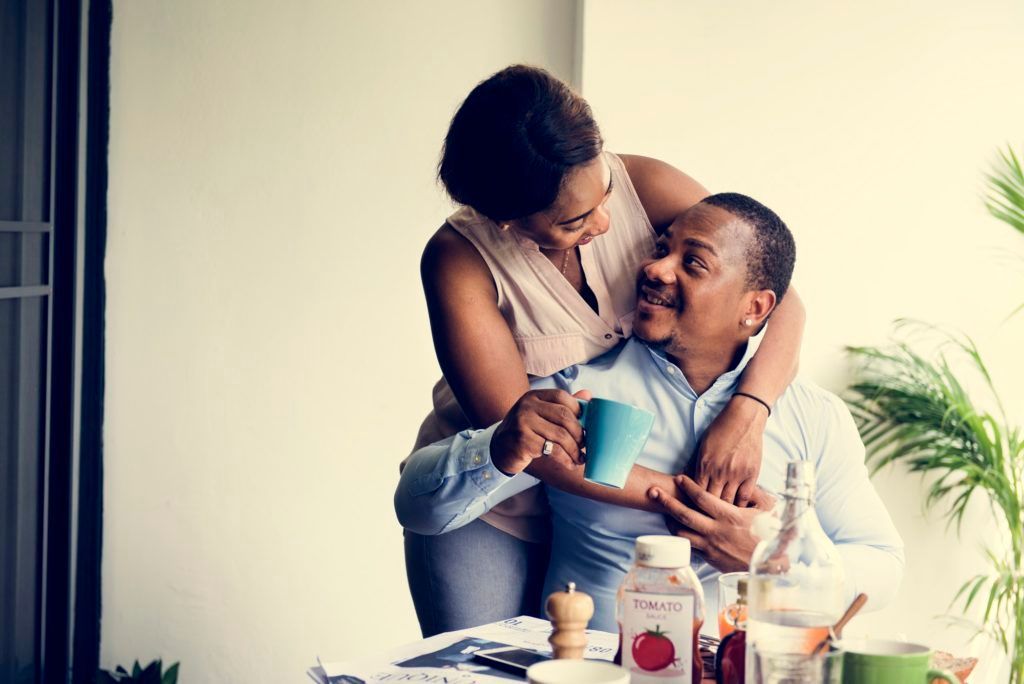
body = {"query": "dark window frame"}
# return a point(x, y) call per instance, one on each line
point(73, 221)
point(93, 188)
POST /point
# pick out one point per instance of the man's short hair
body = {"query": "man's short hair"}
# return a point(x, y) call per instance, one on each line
point(772, 252)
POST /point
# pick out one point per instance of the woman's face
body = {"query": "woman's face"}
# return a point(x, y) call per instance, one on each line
point(579, 213)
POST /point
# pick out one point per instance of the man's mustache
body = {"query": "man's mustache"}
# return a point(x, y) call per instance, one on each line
point(666, 296)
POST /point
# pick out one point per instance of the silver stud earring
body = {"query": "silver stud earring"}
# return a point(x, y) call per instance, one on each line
point(747, 321)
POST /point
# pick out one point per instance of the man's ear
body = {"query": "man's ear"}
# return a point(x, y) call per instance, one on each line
point(760, 304)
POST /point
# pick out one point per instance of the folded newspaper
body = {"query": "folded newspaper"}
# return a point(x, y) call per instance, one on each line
point(448, 658)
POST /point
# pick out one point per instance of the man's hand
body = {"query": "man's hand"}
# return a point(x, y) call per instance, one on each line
point(719, 530)
point(729, 457)
point(539, 416)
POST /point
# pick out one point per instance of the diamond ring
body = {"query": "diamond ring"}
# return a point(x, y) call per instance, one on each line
point(549, 446)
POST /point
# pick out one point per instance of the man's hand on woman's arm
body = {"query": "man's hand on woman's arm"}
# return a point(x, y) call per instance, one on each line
point(719, 530)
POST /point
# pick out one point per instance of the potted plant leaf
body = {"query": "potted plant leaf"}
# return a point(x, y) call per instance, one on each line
point(150, 674)
point(913, 408)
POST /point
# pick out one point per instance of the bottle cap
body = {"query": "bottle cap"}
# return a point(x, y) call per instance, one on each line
point(662, 551)
point(800, 479)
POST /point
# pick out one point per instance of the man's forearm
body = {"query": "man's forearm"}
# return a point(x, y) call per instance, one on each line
point(633, 495)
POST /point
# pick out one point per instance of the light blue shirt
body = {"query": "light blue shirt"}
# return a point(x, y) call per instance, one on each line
point(450, 483)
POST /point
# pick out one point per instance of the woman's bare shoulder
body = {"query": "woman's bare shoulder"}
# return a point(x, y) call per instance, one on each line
point(664, 190)
point(451, 261)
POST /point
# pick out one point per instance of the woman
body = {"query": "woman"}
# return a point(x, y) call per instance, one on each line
point(536, 272)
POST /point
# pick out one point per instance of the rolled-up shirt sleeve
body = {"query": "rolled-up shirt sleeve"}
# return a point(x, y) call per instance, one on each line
point(853, 515)
point(450, 483)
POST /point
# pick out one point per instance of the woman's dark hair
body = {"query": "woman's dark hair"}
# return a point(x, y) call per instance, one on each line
point(513, 140)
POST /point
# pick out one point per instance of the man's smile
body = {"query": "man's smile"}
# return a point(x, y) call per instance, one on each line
point(651, 298)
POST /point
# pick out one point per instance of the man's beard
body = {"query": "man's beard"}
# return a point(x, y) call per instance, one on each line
point(661, 343)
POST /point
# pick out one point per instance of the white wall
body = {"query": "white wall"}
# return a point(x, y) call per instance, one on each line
point(268, 354)
point(271, 187)
point(867, 126)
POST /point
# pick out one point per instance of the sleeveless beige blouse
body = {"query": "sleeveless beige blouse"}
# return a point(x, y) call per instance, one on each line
point(552, 324)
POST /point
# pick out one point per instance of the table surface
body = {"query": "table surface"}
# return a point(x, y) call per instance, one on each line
point(522, 631)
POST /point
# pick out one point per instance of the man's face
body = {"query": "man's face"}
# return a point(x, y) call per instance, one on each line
point(692, 293)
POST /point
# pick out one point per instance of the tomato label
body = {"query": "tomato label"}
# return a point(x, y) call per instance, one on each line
point(657, 637)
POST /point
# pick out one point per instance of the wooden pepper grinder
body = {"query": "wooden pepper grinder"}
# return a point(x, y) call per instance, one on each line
point(569, 612)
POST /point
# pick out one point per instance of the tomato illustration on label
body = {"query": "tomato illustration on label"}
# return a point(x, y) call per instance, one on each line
point(653, 651)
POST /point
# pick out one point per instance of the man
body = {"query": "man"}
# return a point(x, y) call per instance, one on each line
point(713, 281)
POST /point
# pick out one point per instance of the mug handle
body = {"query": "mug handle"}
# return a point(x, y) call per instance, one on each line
point(943, 674)
point(583, 411)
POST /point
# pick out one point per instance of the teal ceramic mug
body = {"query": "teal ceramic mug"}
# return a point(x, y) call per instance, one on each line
point(614, 435)
point(878, 661)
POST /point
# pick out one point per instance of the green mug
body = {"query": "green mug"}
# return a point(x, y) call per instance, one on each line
point(880, 661)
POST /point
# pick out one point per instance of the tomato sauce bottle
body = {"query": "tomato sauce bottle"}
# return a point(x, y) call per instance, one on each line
point(660, 612)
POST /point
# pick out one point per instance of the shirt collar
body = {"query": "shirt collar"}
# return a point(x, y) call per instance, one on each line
point(726, 382)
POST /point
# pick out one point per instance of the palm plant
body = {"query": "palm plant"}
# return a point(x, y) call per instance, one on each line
point(913, 408)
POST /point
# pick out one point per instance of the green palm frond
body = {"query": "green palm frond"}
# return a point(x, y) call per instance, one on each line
point(1005, 198)
point(913, 409)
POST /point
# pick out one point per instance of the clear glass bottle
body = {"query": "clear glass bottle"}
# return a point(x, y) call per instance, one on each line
point(660, 613)
point(796, 587)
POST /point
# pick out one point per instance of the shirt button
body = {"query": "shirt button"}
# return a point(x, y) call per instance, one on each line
point(477, 459)
point(487, 475)
point(608, 336)
point(671, 370)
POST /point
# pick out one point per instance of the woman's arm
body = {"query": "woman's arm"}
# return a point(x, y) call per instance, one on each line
point(729, 456)
point(664, 191)
point(633, 495)
point(777, 360)
point(473, 343)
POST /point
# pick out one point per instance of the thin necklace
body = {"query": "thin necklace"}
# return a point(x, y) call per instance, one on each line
point(565, 261)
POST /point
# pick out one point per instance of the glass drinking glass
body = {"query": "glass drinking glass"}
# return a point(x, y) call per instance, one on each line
point(773, 665)
point(731, 611)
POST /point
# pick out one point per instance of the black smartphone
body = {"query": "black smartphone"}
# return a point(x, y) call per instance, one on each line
point(510, 659)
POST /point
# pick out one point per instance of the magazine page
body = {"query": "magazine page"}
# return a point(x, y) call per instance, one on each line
point(448, 658)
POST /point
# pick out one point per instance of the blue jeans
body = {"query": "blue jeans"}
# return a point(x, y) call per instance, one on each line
point(473, 575)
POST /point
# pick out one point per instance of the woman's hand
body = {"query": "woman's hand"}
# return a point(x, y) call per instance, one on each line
point(729, 457)
point(539, 416)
